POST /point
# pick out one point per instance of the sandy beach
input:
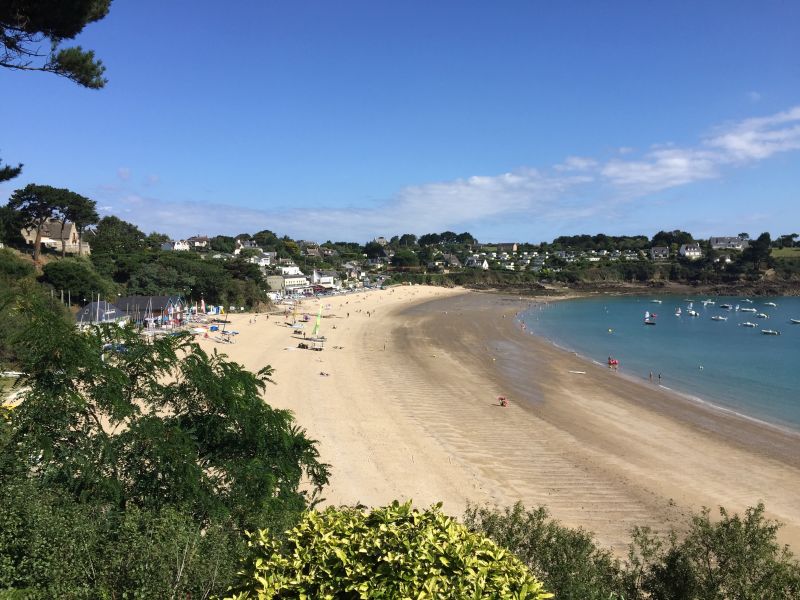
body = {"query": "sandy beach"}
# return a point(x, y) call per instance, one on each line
point(408, 409)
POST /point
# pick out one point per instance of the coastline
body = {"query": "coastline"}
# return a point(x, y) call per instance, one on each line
point(409, 410)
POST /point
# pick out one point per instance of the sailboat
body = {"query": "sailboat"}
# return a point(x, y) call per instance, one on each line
point(649, 319)
point(678, 311)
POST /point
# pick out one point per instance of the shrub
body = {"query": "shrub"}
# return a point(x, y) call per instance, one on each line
point(391, 552)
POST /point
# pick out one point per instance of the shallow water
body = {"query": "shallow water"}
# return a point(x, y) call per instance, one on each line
point(721, 362)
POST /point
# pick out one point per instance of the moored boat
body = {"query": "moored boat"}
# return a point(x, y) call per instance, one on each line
point(794, 321)
point(762, 316)
point(726, 306)
point(746, 309)
point(749, 324)
point(719, 318)
point(772, 304)
point(770, 332)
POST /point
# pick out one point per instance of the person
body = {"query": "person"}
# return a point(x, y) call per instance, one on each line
point(651, 376)
point(659, 378)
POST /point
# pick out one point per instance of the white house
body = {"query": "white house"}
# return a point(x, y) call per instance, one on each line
point(176, 246)
point(199, 242)
point(244, 245)
point(265, 259)
point(475, 262)
point(324, 278)
point(295, 283)
point(691, 251)
point(291, 270)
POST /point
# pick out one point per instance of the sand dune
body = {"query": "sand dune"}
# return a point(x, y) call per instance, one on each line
point(409, 410)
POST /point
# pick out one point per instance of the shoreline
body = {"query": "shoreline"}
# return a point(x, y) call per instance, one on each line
point(409, 410)
point(701, 402)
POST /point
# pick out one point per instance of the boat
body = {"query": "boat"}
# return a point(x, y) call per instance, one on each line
point(747, 309)
point(794, 321)
point(678, 312)
point(762, 316)
point(692, 313)
point(726, 306)
point(719, 318)
point(749, 324)
point(770, 332)
point(737, 307)
point(708, 301)
point(772, 304)
point(747, 300)
point(649, 319)
point(656, 301)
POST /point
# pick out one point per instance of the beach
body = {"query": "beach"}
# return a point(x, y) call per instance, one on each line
point(407, 408)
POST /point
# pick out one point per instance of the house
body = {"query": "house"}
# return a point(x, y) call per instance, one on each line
point(265, 259)
point(275, 282)
point(451, 261)
point(199, 242)
point(728, 243)
point(325, 279)
point(291, 270)
point(53, 233)
point(691, 251)
point(659, 253)
point(476, 262)
point(244, 245)
point(95, 313)
point(507, 247)
point(163, 308)
point(176, 246)
point(381, 240)
point(352, 270)
point(295, 283)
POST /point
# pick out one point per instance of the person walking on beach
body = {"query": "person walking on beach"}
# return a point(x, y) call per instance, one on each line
point(659, 379)
point(651, 377)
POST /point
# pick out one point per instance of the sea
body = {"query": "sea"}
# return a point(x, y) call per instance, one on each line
point(720, 362)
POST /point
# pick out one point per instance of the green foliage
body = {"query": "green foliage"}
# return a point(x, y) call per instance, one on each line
point(405, 258)
point(568, 561)
point(391, 552)
point(78, 277)
point(8, 172)
point(113, 237)
point(27, 26)
point(54, 547)
point(223, 243)
point(733, 557)
point(155, 425)
point(11, 222)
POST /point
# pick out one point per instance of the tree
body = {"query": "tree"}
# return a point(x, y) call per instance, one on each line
point(78, 277)
point(11, 224)
point(81, 212)
point(405, 258)
point(115, 237)
point(758, 251)
point(223, 243)
point(407, 239)
point(373, 250)
point(154, 240)
point(125, 422)
point(8, 172)
point(36, 205)
point(26, 26)
point(391, 552)
point(568, 561)
point(729, 557)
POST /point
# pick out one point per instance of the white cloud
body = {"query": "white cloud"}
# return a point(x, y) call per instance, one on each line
point(577, 190)
point(753, 97)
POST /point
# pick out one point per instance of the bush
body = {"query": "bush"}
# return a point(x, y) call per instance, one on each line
point(568, 561)
point(391, 552)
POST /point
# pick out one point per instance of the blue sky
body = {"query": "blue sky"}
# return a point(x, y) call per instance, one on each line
point(514, 120)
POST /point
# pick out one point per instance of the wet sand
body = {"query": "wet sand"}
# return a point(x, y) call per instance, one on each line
point(409, 410)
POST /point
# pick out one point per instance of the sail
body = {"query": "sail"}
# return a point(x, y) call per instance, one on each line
point(316, 325)
point(647, 314)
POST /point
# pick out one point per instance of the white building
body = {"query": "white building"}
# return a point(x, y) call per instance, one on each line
point(176, 246)
point(291, 270)
point(691, 251)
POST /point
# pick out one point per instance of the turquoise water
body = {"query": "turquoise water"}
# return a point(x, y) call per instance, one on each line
point(721, 362)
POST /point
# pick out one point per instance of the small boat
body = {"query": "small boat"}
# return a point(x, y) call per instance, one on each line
point(747, 300)
point(748, 310)
point(649, 319)
point(794, 321)
point(719, 318)
point(692, 313)
point(749, 324)
point(708, 301)
point(678, 312)
point(737, 307)
point(726, 306)
point(772, 304)
point(770, 332)
point(656, 301)
point(762, 316)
